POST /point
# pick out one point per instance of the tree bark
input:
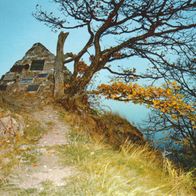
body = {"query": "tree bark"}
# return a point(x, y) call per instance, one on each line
point(59, 67)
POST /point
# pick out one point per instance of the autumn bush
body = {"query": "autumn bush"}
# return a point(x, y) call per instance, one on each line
point(106, 127)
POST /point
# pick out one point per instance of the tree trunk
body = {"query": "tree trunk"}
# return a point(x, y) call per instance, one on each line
point(59, 67)
point(76, 98)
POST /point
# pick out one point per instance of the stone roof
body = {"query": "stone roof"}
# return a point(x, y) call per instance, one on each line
point(37, 51)
point(37, 48)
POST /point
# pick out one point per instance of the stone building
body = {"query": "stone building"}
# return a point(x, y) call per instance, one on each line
point(33, 73)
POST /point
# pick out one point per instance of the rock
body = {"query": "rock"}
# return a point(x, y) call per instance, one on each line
point(10, 126)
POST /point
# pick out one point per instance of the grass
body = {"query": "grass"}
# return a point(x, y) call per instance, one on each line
point(15, 150)
point(107, 127)
point(103, 169)
point(19, 150)
point(132, 170)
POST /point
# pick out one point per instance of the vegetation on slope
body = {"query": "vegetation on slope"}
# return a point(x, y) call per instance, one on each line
point(131, 170)
point(104, 165)
point(15, 149)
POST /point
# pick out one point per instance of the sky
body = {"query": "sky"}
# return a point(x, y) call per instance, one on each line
point(19, 30)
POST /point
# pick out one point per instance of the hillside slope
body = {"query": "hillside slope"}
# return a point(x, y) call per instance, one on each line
point(57, 156)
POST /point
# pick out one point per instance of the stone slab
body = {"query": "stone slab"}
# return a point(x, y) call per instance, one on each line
point(37, 65)
point(26, 81)
point(42, 75)
point(33, 88)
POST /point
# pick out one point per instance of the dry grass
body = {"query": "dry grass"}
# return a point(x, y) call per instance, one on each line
point(108, 127)
point(131, 170)
point(104, 169)
point(12, 151)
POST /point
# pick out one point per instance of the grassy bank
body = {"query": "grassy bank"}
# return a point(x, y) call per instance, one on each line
point(101, 167)
point(132, 170)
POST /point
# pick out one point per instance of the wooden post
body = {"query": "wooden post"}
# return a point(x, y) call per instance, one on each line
point(59, 67)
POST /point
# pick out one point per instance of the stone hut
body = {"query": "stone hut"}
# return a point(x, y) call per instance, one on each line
point(33, 73)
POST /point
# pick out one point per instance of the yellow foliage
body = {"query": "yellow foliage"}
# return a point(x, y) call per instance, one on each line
point(167, 99)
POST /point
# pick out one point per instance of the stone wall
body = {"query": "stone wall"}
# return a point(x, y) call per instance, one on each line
point(33, 73)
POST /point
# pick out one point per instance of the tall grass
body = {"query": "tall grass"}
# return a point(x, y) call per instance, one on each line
point(131, 170)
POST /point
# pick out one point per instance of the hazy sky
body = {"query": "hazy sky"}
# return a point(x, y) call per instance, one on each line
point(19, 31)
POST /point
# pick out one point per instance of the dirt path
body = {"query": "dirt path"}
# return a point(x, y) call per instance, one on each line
point(57, 129)
point(47, 168)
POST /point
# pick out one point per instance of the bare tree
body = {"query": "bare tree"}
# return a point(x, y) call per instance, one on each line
point(147, 29)
point(59, 67)
point(180, 130)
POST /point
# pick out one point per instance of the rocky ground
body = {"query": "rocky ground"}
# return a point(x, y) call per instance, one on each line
point(47, 167)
